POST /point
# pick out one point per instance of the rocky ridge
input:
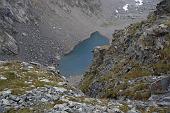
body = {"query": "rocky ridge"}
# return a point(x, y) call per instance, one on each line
point(136, 65)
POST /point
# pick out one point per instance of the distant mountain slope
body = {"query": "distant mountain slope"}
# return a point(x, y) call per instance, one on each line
point(42, 30)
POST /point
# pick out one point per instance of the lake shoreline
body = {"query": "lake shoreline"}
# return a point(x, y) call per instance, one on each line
point(76, 79)
point(77, 61)
point(81, 41)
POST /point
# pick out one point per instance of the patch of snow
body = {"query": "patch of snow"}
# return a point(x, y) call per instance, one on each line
point(117, 11)
point(139, 2)
point(125, 7)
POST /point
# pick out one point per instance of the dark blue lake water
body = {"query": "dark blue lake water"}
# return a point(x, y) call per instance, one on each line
point(79, 60)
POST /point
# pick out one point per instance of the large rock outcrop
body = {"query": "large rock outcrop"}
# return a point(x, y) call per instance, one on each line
point(137, 57)
point(12, 12)
point(8, 44)
point(164, 7)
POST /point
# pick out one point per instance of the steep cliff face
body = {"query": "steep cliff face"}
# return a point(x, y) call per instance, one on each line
point(10, 13)
point(163, 7)
point(137, 57)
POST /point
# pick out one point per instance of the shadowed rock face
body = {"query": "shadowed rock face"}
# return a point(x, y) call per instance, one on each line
point(8, 44)
point(164, 7)
point(11, 13)
point(161, 86)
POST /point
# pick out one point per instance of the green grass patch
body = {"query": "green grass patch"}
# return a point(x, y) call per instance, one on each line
point(168, 23)
point(151, 18)
point(124, 108)
point(132, 29)
point(161, 67)
point(86, 83)
point(137, 73)
point(18, 78)
point(23, 110)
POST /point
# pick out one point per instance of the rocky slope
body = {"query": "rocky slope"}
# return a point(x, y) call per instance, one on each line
point(41, 31)
point(132, 75)
point(32, 88)
point(136, 65)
